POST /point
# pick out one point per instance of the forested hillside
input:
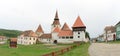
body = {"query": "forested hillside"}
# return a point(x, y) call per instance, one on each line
point(9, 33)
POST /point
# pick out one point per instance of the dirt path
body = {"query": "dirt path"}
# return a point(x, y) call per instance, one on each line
point(102, 49)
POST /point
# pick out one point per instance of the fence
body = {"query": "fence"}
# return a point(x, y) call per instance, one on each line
point(62, 51)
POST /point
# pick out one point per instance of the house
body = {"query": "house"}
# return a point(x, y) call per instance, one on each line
point(118, 30)
point(13, 42)
point(27, 38)
point(109, 33)
point(64, 34)
point(3, 39)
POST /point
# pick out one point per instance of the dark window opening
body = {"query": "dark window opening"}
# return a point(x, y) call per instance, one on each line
point(78, 32)
point(67, 37)
point(71, 37)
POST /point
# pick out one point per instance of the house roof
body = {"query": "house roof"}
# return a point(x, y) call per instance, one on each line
point(13, 39)
point(65, 31)
point(39, 29)
point(110, 28)
point(78, 23)
point(46, 36)
point(117, 23)
point(65, 27)
point(57, 29)
point(29, 33)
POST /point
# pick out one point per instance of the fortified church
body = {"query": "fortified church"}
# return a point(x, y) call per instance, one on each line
point(59, 34)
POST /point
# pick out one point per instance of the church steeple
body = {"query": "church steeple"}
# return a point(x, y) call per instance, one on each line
point(56, 16)
point(56, 22)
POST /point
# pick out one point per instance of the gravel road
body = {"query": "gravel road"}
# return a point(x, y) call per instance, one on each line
point(104, 49)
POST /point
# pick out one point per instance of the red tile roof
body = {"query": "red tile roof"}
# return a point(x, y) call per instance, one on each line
point(65, 27)
point(13, 39)
point(46, 36)
point(57, 29)
point(39, 29)
point(29, 33)
point(78, 23)
point(65, 31)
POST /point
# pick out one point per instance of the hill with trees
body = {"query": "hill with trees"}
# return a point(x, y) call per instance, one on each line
point(9, 33)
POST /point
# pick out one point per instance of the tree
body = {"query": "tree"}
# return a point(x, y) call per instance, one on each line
point(87, 35)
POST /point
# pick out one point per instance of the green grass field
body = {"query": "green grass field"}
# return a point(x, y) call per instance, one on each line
point(81, 50)
point(40, 49)
point(29, 50)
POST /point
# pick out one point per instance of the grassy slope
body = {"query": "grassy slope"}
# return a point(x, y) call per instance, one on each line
point(82, 50)
point(30, 50)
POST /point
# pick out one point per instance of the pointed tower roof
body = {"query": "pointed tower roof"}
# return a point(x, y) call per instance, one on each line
point(56, 16)
point(65, 31)
point(65, 27)
point(78, 23)
point(39, 29)
point(57, 29)
point(56, 19)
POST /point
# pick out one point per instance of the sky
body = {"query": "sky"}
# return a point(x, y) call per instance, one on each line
point(28, 14)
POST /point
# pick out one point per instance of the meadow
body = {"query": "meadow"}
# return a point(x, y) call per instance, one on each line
point(29, 50)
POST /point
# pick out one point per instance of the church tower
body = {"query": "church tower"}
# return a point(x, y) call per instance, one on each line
point(55, 23)
point(78, 30)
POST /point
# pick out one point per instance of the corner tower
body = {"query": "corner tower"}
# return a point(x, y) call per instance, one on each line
point(79, 30)
point(55, 23)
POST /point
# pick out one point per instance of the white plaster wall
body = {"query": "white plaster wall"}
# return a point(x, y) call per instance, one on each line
point(82, 36)
point(109, 36)
point(45, 41)
point(65, 41)
point(26, 40)
point(55, 36)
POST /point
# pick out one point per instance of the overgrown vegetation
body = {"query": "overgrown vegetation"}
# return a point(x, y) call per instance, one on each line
point(9, 33)
point(87, 35)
